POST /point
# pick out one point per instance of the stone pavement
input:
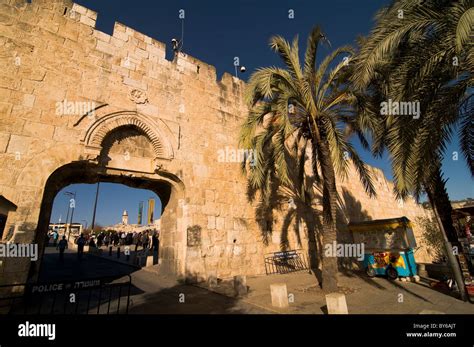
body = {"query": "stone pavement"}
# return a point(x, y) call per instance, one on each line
point(159, 294)
point(156, 293)
point(363, 295)
point(165, 295)
point(104, 253)
point(71, 269)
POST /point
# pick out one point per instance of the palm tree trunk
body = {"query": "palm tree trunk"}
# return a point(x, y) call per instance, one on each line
point(439, 200)
point(329, 264)
point(437, 190)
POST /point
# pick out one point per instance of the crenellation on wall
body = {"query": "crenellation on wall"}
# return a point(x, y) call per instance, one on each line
point(140, 46)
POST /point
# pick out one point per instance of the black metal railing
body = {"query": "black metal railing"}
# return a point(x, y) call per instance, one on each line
point(85, 296)
point(285, 262)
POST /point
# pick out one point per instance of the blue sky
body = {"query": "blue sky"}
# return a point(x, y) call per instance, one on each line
point(113, 199)
point(217, 31)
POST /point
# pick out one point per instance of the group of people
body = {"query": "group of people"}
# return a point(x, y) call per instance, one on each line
point(144, 239)
point(147, 240)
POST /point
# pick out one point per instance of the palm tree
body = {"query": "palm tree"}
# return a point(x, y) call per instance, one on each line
point(298, 112)
point(420, 51)
point(424, 56)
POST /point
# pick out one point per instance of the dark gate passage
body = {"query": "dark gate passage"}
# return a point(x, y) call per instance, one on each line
point(285, 262)
point(87, 296)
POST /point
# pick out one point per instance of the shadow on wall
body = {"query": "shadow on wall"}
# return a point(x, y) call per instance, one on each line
point(306, 220)
point(349, 210)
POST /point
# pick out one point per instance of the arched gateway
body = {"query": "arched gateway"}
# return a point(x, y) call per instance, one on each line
point(128, 148)
point(78, 105)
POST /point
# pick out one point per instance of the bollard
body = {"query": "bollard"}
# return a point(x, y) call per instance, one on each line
point(110, 251)
point(118, 252)
point(126, 251)
point(240, 285)
point(279, 295)
point(149, 261)
point(212, 279)
point(138, 260)
point(431, 312)
point(336, 303)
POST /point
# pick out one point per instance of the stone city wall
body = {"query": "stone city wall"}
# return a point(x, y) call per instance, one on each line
point(56, 67)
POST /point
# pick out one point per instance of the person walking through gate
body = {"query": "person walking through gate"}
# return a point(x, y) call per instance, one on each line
point(62, 245)
point(155, 244)
point(55, 238)
point(81, 241)
point(155, 241)
point(145, 241)
point(106, 240)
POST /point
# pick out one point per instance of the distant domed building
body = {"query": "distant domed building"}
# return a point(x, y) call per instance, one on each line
point(125, 227)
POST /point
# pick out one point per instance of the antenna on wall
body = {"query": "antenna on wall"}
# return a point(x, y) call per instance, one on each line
point(178, 44)
point(182, 32)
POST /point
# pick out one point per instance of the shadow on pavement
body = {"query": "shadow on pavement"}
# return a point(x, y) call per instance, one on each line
point(190, 299)
point(361, 275)
point(72, 269)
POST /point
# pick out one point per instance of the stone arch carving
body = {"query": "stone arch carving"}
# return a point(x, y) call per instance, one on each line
point(154, 131)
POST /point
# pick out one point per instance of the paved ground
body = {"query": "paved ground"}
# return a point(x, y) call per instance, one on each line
point(363, 295)
point(71, 269)
point(165, 295)
point(155, 293)
point(151, 293)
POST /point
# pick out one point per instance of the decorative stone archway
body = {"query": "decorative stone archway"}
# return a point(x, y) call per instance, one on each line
point(156, 131)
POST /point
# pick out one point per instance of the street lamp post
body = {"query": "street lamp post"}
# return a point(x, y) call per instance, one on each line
point(67, 217)
point(95, 206)
point(73, 207)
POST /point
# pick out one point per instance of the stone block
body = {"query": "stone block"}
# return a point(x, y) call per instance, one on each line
point(18, 144)
point(4, 138)
point(149, 260)
point(79, 9)
point(5, 109)
point(212, 279)
point(279, 295)
point(240, 285)
point(336, 303)
point(220, 223)
point(102, 36)
point(211, 222)
point(88, 21)
point(105, 47)
point(210, 195)
point(91, 14)
point(28, 100)
point(121, 35)
point(40, 130)
point(135, 84)
point(141, 53)
point(431, 312)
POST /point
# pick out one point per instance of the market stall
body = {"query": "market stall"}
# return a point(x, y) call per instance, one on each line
point(389, 247)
